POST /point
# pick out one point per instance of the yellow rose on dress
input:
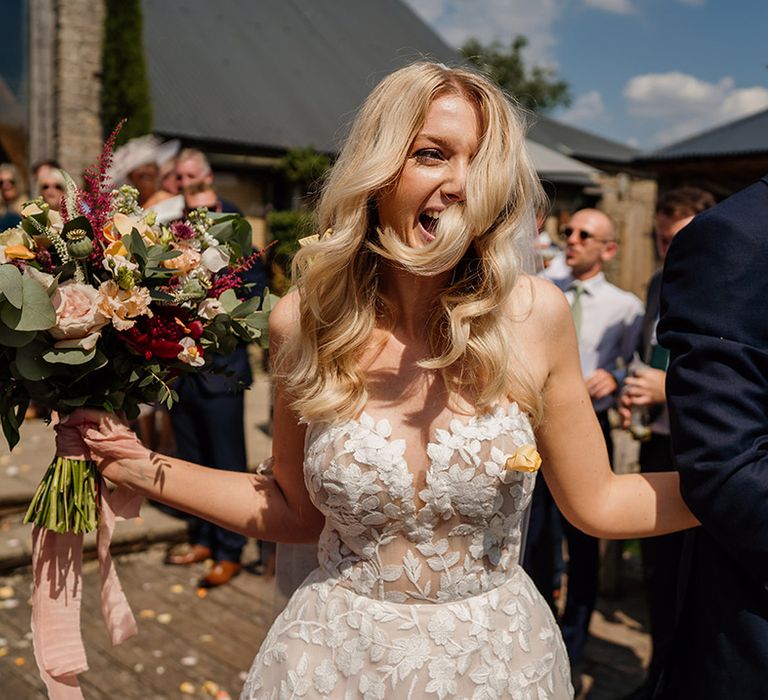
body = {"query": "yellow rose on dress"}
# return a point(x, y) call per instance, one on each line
point(524, 459)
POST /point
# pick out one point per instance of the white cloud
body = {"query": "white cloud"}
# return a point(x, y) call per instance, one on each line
point(684, 105)
point(491, 20)
point(585, 110)
point(618, 7)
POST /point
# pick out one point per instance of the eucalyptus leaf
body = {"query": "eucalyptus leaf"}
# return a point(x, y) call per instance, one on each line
point(11, 284)
point(135, 245)
point(69, 356)
point(246, 308)
point(15, 339)
point(36, 312)
point(229, 301)
point(30, 364)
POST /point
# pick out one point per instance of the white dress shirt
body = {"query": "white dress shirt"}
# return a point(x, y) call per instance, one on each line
point(611, 324)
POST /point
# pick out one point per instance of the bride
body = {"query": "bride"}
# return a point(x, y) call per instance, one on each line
point(418, 371)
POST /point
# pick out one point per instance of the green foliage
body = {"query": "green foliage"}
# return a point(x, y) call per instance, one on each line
point(286, 227)
point(536, 89)
point(304, 166)
point(125, 87)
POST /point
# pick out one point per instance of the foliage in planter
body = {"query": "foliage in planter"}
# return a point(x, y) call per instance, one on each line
point(286, 227)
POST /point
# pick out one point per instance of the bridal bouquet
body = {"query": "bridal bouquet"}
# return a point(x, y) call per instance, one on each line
point(101, 306)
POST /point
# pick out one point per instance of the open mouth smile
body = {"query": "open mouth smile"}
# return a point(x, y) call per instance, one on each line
point(428, 224)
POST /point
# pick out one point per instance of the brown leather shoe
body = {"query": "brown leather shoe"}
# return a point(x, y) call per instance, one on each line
point(220, 573)
point(193, 555)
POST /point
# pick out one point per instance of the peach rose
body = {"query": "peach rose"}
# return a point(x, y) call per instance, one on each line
point(186, 262)
point(78, 317)
point(121, 306)
point(524, 459)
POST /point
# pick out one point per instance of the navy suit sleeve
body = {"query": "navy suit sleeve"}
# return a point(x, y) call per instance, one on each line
point(715, 324)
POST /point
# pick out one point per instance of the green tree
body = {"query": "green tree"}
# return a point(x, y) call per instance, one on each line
point(537, 89)
point(125, 87)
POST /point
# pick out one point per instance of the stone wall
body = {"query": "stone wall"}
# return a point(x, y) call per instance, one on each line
point(80, 25)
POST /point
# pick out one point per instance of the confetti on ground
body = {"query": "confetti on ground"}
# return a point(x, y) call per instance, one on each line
point(138, 668)
point(3, 642)
point(160, 670)
point(211, 688)
point(242, 675)
point(20, 661)
point(177, 588)
point(13, 542)
point(164, 618)
point(189, 661)
point(6, 592)
point(187, 688)
point(13, 470)
point(202, 592)
point(157, 653)
point(4, 460)
point(147, 614)
point(9, 604)
point(206, 638)
point(223, 695)
point(3, 651)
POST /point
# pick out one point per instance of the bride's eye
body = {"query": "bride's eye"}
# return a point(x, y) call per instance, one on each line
point(428, 156)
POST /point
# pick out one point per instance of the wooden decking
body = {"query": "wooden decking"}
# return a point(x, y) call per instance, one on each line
point(187, 645)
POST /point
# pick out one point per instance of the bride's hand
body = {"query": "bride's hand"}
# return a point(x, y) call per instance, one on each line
point(109, 440)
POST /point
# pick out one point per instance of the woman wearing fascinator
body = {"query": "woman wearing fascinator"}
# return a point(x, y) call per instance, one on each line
point(421, 379)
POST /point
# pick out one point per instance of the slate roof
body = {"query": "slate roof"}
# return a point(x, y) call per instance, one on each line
point(745, 136)
point(554, 166)
point(275, 74)
point(579, 144)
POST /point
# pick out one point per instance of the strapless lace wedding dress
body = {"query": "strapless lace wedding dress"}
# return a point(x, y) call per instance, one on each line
point(417, 594)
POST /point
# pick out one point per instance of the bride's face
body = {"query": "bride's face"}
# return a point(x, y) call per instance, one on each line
point(434, 174)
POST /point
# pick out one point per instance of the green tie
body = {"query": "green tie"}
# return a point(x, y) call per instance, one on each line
point(578, 289)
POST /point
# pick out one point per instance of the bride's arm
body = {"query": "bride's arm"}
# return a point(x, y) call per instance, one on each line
point(574, 456)
point(275, 508)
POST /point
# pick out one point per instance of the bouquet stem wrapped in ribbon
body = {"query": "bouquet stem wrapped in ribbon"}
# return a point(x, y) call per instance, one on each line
point(67, 499)
point(101, 306)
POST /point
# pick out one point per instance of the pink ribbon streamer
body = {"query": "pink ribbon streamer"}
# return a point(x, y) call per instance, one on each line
point(56, 595)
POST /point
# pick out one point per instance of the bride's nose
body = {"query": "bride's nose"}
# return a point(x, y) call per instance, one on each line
point(454, 186)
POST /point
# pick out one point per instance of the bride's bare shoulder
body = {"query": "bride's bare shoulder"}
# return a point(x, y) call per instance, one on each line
point(284, 318)
point(538, 303)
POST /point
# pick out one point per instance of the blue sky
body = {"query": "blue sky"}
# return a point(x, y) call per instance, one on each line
point(643, 72)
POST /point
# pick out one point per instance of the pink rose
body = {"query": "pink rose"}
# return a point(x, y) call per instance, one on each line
point(77, 315)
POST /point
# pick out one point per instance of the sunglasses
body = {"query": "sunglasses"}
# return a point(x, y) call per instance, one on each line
point(52, 187)
point(4, 181)
point(567, 231)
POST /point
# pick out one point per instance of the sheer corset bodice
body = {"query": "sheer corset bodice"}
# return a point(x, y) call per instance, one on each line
point(387, 539)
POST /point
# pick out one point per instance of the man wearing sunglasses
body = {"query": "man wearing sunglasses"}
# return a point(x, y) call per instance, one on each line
point(608, 323)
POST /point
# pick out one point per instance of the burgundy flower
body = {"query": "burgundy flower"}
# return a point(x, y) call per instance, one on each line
point(182, 231)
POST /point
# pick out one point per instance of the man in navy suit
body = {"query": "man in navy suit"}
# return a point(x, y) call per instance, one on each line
point(714, 322)
point(208, 429)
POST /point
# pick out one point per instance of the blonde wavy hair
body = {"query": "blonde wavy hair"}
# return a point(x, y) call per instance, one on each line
point(481, 240)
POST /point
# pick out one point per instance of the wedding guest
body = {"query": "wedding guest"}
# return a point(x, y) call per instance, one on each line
point(608, 324)
point(137, 162)
point(193, 168)
point(714, 324)
point(50, 185)
point(168, 180)
point(645, 390)
point(13, 196)
point(201, 195)
point(208, 425)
